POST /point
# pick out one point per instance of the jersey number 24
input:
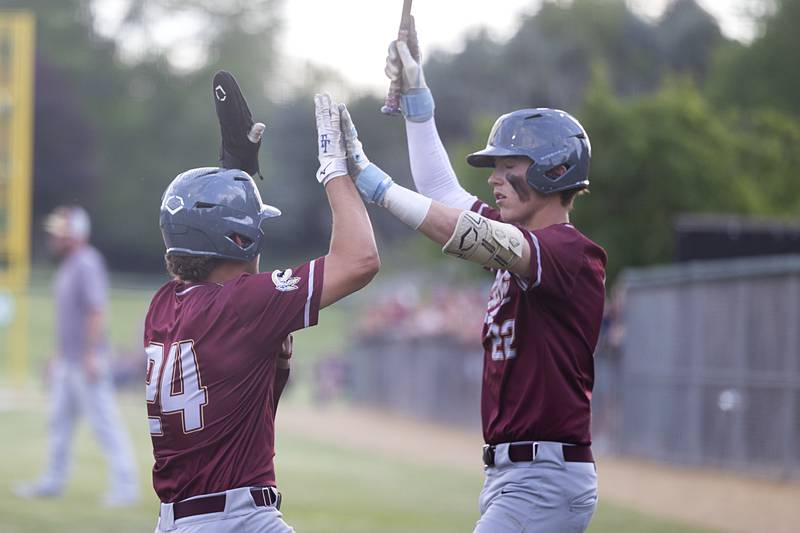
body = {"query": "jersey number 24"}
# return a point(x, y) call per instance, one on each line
point(174, 386)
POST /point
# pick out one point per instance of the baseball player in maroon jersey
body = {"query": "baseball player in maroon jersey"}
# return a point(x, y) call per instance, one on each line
point(545, 307)
point(214, 333)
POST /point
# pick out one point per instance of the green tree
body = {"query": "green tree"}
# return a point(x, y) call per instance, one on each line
point(689, 38)
point(767, 149)
point(655, 156)
point(548, 61)
point(670, 152)
point(658, 155)
point(135, 124)
point(765, 73)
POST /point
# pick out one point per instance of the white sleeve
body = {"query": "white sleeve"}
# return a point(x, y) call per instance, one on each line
point(431, 169)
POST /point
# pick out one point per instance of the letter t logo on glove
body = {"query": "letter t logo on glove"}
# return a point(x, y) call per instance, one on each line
point(324, 142)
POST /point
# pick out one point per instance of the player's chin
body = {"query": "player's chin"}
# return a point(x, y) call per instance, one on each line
point(507, 212)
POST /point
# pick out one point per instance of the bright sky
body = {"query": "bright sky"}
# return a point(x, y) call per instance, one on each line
point(353, 43)
point(349, 37)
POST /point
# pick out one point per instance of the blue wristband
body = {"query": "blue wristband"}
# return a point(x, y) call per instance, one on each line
point(373, 183)
point(417, 105)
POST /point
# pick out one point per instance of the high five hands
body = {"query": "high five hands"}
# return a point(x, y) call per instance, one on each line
point(341, 152)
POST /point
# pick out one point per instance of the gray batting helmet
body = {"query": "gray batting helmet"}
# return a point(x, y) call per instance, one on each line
point(214, 212)
point(549, 137)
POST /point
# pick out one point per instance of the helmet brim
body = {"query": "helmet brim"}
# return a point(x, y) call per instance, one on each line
point(485, 158)
point(269, 211)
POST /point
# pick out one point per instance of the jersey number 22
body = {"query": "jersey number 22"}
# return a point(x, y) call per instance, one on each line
point(174, 385)
point(503, 340)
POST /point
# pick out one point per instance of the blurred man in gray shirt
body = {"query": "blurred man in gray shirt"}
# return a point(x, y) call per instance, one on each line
point(80, 376)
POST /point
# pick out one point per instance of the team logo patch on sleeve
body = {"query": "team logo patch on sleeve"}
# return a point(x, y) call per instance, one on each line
point(283, 280)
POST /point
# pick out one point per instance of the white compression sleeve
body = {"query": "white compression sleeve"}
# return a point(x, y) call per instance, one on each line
point(408, 206)
point(430, 167)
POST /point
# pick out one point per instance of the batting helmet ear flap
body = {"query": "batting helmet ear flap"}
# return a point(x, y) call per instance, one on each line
point(242, 241)
point(573, 153)
point(556, 172)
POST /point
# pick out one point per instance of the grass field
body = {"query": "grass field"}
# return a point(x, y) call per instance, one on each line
point(328, 487)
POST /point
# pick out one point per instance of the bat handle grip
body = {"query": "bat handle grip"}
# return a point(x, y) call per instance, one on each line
point(391, 106)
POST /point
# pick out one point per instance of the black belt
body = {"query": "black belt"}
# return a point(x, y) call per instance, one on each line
point(526, 452)
point(263, 497)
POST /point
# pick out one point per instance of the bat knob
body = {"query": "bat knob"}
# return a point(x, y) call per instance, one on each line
point(386, 110)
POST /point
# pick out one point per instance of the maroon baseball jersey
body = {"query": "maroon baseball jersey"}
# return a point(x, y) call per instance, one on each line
point(211, 364)
point(539, 337)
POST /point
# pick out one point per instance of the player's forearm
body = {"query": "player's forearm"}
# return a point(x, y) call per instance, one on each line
point(353, 258)
point(352, 237)
point(431, 169)
point(439, 223)
point(433, 219)
point(461, 233)
point(433, 174)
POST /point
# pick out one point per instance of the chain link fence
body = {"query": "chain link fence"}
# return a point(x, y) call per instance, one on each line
point(698, 364)
point(432, 379)
point(708, 371)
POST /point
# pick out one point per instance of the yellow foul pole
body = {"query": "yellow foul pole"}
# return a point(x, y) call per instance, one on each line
point(16, 160)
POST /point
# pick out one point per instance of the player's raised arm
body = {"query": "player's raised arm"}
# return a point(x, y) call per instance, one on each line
point(353, 257)
point(461, 233)
point(430, 166)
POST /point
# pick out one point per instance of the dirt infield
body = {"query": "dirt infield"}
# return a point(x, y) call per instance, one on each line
point(709, 498)
point(713, 499)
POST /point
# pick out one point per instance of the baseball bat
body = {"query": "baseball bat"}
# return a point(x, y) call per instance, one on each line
point(407, 33)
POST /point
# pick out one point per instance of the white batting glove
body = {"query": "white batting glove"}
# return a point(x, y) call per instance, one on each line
point(371, 182)
point(416, 101)
point(330, 142)
point(401, 67)
point(356, 158)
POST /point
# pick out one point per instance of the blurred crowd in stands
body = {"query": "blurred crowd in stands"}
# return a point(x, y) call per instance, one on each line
point(409, 312)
